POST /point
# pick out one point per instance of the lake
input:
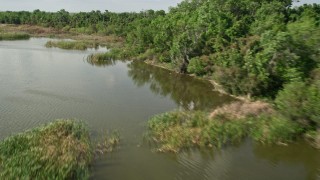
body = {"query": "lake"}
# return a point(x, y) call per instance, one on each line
point(39, 85)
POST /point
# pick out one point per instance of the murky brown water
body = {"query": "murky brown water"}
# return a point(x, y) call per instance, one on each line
point(39, 85)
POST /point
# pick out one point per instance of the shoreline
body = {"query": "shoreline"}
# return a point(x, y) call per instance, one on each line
point(38, 31)
point(109, 41)
point(216, 87)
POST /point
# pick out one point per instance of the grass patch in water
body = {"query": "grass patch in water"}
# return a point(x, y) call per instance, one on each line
point(72, 45)
point(177, 130)
point(14, 36)
point(59, 150)
point(106, 59)
point(181, 129)
point(112, 55)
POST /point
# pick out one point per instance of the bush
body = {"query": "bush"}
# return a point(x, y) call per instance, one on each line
point(198, 66)
point(237, 81)
point(148, 55)
point(291, 99)
point(300, 102)
point(274, 129)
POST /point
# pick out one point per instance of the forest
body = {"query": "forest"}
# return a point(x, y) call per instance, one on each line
point(262, 49)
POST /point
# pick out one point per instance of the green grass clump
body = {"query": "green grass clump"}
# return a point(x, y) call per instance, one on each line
point(14, 36)
point(181, 129)
point(177, 130)
point(106, 59)
point(107, 143)
point(59, 150)
point(72, 45)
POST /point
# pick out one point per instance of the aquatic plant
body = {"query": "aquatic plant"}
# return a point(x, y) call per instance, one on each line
point(14, 36)
point(181, 129)
point(59, 150)
point(75, 45)
point(106, 143)
point(176, 130)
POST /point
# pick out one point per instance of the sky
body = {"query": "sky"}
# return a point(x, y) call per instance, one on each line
point(89, 5)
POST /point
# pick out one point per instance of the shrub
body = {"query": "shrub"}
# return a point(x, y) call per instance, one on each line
point(237, 81)
point(274, 129)
point(300, 102)
point(198, 66)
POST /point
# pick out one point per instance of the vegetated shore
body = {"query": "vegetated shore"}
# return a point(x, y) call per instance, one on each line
point(59, 150)
point(14, 36)
point(284, 104)
point(39, 31)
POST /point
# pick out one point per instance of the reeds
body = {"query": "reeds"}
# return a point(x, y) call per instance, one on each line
point(177, 130)
point(72, 45)
point(14, 36)
point(59, 150)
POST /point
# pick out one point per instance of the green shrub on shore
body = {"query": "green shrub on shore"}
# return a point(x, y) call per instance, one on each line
point(75, 45)
point(177, 130)
point(14, 36)
point(300, 102)
point(274, 129)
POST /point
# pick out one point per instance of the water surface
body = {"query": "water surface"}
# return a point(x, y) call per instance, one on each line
point(39, 85)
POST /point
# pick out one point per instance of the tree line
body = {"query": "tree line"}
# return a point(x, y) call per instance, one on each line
point(104, 23)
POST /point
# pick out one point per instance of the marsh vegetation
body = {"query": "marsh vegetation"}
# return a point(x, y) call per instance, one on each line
point(59, 150)
point(72, 45)
point(230, 124)
point(13, 36)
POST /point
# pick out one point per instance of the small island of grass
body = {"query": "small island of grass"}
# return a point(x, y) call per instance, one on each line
point(59, 150)
point(72, 45)
point(178, 130)
point(14, 36)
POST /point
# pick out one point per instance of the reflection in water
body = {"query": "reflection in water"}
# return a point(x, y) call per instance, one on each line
point(188, 92)
point(101, 63)
point(298, 153)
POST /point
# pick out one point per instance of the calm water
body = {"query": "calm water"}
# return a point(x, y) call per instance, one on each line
point(39, 85)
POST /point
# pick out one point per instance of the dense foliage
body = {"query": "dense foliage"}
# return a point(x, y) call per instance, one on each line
point(250, 47)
